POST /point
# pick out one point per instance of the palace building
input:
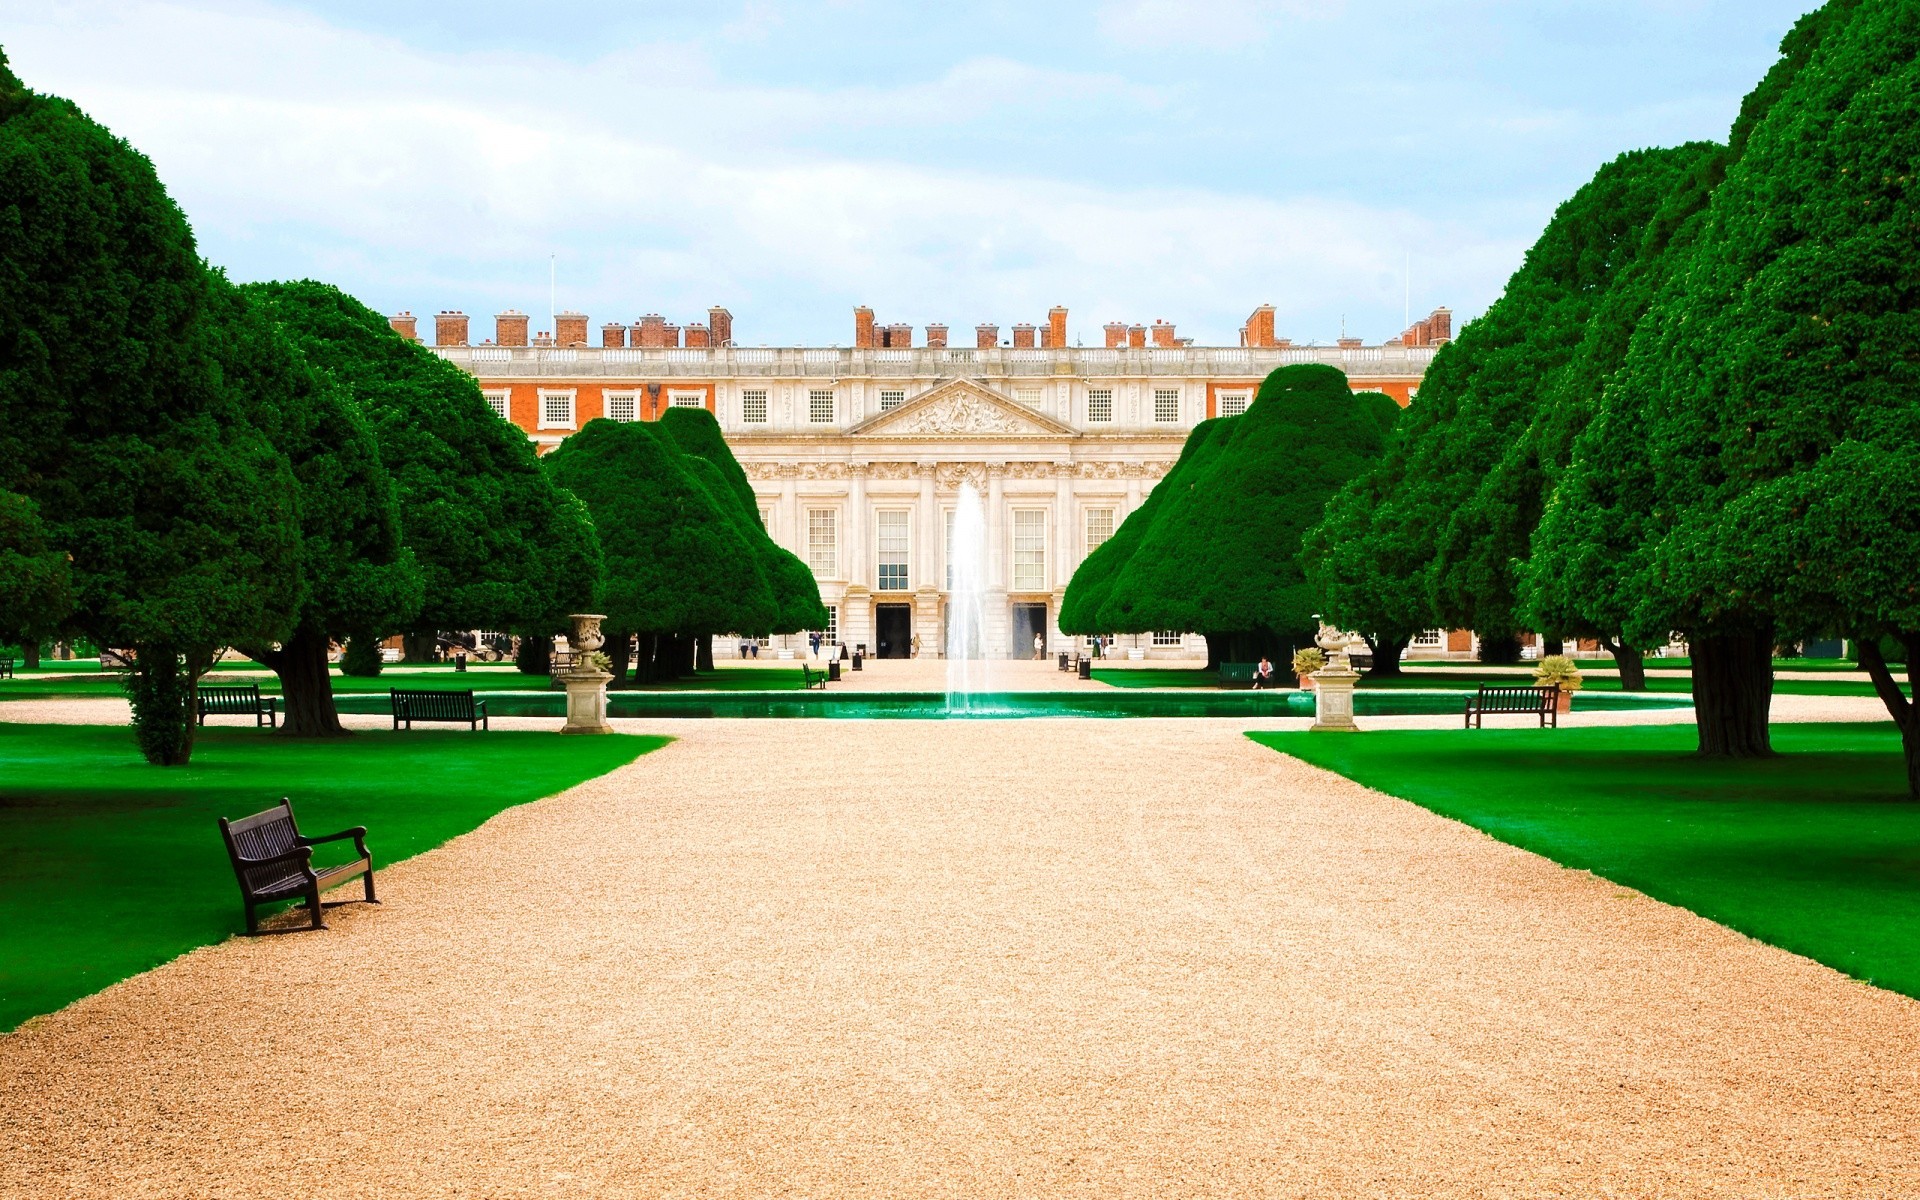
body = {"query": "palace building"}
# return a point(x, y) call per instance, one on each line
point(857, 454)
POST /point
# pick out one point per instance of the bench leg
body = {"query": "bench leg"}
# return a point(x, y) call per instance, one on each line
point(253, 919)
point(313, 906)
point(370, 896)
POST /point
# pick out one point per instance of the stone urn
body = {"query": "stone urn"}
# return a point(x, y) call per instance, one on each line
point(1333, 684)
point(585, 682)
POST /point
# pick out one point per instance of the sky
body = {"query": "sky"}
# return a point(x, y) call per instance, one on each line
point(1346, 161)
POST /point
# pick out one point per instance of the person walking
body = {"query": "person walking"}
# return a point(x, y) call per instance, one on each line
point(1039, 648)
point(915, 643)
point(813, 640)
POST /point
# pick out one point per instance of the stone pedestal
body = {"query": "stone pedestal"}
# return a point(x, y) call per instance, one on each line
point(586, 701)
point(1333, 699)
point(586, 684)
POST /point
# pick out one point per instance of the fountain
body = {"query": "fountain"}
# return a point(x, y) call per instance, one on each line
point(966, 603)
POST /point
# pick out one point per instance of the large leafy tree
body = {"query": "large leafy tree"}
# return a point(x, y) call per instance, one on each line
point(358, 576)
point(1222, 552)
point(1712, 397)
point(121, 419)
point(1786, 380)
point(676, 562)
point(796, 593)
point(36, 580)
point(498, 546)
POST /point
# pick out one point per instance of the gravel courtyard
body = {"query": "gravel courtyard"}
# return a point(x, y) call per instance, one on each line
point(975, 959)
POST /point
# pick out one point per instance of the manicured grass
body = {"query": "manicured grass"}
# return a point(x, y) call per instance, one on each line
point(1468, 680)
point(490, 679)
point(1816, 850)
point(112, 866)
point(1156, 677)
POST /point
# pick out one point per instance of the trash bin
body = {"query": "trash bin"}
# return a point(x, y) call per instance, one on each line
point(1086, 668)
point(857, 655)
point(833, 670)
point(1063, 660)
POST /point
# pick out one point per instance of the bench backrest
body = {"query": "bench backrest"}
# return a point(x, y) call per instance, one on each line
point(1506, 698)
point(230, 698)
point(261, 835)
point(1238, 672)
point(433, 706)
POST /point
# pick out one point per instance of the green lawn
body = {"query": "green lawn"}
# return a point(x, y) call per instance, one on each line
point(112, 866)
point(1468, 680)
point(1817, 850)
point(488, 679)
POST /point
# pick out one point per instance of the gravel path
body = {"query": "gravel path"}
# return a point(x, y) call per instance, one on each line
point(974, 959)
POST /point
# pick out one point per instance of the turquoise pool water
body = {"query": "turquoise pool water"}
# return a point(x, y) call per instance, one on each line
point(1000, 705)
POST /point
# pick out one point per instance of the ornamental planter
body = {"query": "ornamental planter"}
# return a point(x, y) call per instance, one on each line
point(1565, 702)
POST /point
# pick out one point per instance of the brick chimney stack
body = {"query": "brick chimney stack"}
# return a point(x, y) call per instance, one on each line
point(1023, 337)
point(613, 336)
point(543, 338)
point(1351, 343)
point(405, 325)
point(1116, 335)
point(570, 329)
point(450, 329)
point(1163, 335)
point(1258, 332)
point(1442, 320)
point(1137, 337)
point(510, 328)
point(670, 335)
point(863, 335)
point(650, 332)
point(698, 337)
point(936, 337)
point(720, 323)
point(986, 337)
point(1057, 327)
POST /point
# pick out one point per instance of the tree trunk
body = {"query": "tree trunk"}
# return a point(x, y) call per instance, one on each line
point(1386, 655)
point(1632, 663)
point(30, 655)
point(1499, 649)
point(306, 687)
point(703, 652)
point(535, 656)
point(1732, 693)
point(161, 690)
point(1902, 707)
point(619, 650)
point(417, 647)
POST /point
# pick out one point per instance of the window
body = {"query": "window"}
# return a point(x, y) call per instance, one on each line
point(890, 545)
point(822, 542)
point(765, 521)
point(1429, 639)
point(1099, 527)
point(832, 632)
point(1166, 405)
point(556, 410)
point(687, 400)
point(1029, 549)
point(1166, 637)
point(753, 406)
point(501, 403)
point(1029, 396)
point(1232, 404)
point(820, 406)
point(891, 398)
point(623, 406)
point(1100, 406)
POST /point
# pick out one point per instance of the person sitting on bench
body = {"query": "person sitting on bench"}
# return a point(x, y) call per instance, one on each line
point(1263, 674)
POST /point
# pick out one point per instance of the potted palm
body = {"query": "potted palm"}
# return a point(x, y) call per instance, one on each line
point(1306, 662)
point(1559, 669)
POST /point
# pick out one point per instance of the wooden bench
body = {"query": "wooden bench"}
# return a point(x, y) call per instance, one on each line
point(411, 706)
point(1237, 675)
point(811, 680)
point(6, 668)
point(272, 861)
point(1492, 698)
point(230, 700)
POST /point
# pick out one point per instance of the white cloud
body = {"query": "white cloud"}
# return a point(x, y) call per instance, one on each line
point(430, 180)
point(1216, 24)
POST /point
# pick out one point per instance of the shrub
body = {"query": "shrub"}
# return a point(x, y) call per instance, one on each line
point(1558, 668)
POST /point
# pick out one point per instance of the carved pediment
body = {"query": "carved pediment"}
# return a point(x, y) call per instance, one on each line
point(961, 409)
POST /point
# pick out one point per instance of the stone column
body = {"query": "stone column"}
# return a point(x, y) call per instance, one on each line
point(1065, 527)
point(857, 530)
point(931, 552)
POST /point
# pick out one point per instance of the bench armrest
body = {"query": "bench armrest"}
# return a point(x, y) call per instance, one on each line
point(480, 706)
point(356, 833)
